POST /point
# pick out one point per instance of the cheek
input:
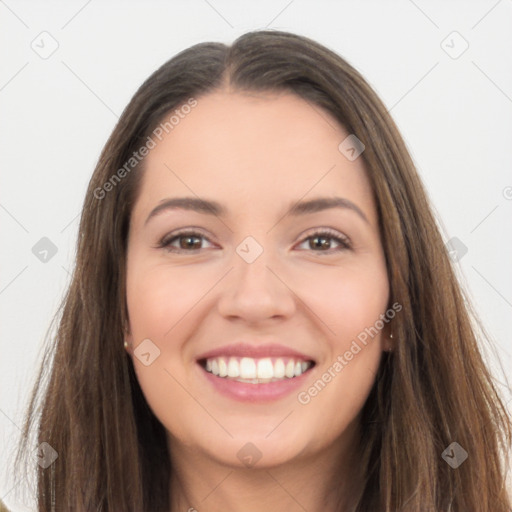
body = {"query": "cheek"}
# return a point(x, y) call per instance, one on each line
point(161, 301)
point(158, 299)
point(159, 296)
point(350, 301)
point(346, 299)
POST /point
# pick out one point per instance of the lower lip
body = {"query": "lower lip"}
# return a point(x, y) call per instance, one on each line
point(246, 392)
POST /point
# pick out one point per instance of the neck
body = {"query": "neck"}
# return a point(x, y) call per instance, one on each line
point(325, 482)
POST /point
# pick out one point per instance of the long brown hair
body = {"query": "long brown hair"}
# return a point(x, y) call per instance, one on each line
point(434, 390)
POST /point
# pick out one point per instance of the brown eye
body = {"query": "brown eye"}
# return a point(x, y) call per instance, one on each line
point(188, 241)
point(322, 241)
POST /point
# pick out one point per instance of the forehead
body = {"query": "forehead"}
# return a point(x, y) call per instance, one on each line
point(252, 151)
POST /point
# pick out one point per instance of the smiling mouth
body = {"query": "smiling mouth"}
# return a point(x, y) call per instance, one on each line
point(256, 370)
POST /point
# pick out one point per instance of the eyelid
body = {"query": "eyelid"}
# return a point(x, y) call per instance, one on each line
point(325, 230)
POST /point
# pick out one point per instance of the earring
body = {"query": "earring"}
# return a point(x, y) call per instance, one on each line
point(390, 349)
point(125, 344)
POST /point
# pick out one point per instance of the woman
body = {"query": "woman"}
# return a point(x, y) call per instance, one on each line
point(263, 314)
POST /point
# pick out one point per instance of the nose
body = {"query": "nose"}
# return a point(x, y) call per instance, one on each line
point(256, 291)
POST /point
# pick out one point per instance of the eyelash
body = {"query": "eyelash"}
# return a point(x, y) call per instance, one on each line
point(343, 241)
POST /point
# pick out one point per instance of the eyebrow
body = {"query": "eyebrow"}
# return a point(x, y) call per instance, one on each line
point(209, 207)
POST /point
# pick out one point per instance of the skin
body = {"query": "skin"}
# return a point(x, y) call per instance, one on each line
point(256, 154)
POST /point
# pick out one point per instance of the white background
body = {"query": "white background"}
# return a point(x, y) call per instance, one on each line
point(56, 114)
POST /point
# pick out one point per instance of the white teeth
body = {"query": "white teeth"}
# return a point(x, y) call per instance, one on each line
point(247, 368)
point(233, 368)
point(265, 368)
point(256, 371)
point(223, 367)
point(289, 371)
point(279, 369)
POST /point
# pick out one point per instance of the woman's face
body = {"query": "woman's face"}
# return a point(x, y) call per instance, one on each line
point(283, 294)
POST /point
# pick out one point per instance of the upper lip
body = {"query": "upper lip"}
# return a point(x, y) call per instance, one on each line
point(244, 349)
